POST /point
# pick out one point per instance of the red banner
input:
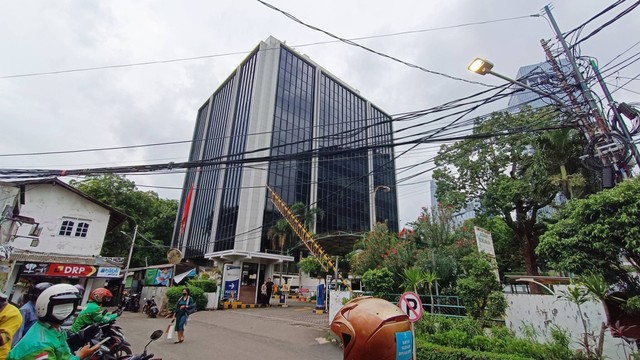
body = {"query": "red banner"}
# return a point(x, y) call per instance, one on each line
point(71, 270)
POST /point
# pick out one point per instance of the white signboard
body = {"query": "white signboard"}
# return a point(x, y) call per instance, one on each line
point(484, 241)
point(108, 272)
point(411, 305)
point(231, 281)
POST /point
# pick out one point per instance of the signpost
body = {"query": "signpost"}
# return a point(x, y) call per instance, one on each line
point(485, 245)
point(411, 305)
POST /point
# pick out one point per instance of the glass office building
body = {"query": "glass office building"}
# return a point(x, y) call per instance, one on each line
point(283, 121)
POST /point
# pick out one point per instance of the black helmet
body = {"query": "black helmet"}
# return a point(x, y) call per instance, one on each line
point(37, 289)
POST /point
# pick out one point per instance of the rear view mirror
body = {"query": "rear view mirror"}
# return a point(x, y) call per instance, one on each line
point(156, 334)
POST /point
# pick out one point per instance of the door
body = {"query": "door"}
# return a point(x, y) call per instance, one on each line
point(249, 283)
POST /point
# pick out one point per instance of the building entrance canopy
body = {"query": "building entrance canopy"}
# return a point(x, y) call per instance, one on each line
point(243, 255)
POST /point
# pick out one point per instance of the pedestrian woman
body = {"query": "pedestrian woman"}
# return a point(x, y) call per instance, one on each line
point(263, 295)
point(184, 307)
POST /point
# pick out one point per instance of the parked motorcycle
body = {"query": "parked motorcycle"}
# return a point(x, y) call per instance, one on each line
point(150, 307)
point(134, 303)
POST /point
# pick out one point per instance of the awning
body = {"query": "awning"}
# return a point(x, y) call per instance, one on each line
point(32, 256)
point(178, 278)
point(242, 255)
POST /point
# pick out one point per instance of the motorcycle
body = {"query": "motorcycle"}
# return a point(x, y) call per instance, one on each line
point(150, 307)
point(145, 356)
point(134, 303)
point(114, 346)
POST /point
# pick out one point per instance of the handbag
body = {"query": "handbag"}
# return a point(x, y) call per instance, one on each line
point(190, 310)
point(170, 330)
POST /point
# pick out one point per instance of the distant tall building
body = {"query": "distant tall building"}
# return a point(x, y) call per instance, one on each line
point(536, 75)
point(282, 120)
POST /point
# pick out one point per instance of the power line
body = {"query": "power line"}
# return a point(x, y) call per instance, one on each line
point(347, 41)
point(155, 62)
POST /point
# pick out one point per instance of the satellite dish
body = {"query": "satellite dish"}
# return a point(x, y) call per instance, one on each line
point(174, 256)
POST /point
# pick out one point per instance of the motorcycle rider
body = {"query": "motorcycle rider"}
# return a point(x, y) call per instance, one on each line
point(28, 310)
point(92, 313)
point(45, 339)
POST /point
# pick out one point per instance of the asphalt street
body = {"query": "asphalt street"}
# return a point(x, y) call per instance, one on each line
point(263, 333)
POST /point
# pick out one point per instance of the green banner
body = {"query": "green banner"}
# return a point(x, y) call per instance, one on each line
point(150, 276)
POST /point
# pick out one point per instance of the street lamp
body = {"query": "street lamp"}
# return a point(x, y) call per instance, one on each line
point(385, 188)
point(483, 67)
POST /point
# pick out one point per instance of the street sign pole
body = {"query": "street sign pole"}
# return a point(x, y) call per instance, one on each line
point(411, 305)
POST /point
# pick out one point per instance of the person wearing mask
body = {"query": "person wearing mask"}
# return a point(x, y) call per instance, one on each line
point(264, 300)
point(45, 339)
point(92, 313)
point(184, 307)
point(10, 320)
point(28, 310)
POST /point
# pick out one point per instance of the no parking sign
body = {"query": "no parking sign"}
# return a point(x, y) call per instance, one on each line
point(411, 305)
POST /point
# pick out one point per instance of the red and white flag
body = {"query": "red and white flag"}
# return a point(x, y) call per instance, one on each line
point(185, 211)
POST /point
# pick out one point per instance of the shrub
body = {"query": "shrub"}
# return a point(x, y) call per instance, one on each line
point(204, 284)
point(173, 294)
point(427, 351)
point(379, 281)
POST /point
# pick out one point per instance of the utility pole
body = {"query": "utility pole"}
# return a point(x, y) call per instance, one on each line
point(607, 151)
point(616, 114)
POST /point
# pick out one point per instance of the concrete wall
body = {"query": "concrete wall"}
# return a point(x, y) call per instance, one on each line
point(541, 312)
point(49, 204)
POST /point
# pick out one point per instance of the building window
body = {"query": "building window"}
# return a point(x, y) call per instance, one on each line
point(74, 228)
point(66, 228)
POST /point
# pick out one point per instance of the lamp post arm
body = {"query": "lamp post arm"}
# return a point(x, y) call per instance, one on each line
point(519, 83)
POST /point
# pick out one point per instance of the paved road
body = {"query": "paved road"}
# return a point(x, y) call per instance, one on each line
point(268, 334)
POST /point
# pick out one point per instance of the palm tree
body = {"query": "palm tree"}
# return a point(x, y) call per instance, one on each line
point(430, 279)
point(413, 279)
point(278, 234)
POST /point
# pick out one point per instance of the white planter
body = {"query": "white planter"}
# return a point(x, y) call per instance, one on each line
point(212, 300)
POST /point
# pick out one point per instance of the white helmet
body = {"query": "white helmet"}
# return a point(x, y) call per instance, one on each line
point(57, 303)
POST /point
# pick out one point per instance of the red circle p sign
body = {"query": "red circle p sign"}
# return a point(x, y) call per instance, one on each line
point(411, 305)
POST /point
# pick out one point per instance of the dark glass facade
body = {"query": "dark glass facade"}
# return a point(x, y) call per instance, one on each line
point(343, 181)
point(292, 133)
point(383, 169)
point(237, 143)
point(323, 151)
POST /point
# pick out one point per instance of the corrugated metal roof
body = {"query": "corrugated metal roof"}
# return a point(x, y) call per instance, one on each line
point(29, 256)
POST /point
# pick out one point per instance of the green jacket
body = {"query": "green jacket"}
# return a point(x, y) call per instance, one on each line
point(91, 314)
point(42, 341)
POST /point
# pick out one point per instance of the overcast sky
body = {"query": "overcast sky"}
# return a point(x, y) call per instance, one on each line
point(157, 103)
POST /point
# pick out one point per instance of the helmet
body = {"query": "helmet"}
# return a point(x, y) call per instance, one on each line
point(37, 289)
point(367, 327)
point(56, 303)
point(100, 295)
point(80, 288)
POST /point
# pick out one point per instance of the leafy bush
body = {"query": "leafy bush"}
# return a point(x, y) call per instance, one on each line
point(173, 294)
point(205, 284)
point(469, 334)
point(427, 351)
point(479, 289)
point(379, 281)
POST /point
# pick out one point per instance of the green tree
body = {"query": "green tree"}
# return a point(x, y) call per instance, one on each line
point(510, 174)
point(596, 234)
point(479, 288)
point(378, 281)
point(155, 218)
point(381, 248)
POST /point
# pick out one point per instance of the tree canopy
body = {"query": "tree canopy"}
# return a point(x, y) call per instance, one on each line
point(598, 235)
point(511, 169)
point(154, 216)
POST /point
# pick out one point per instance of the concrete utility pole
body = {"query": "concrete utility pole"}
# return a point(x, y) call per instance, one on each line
point(608, 152)
point(617, 118)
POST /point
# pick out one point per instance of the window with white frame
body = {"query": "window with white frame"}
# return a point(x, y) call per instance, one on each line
point(74, 227)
